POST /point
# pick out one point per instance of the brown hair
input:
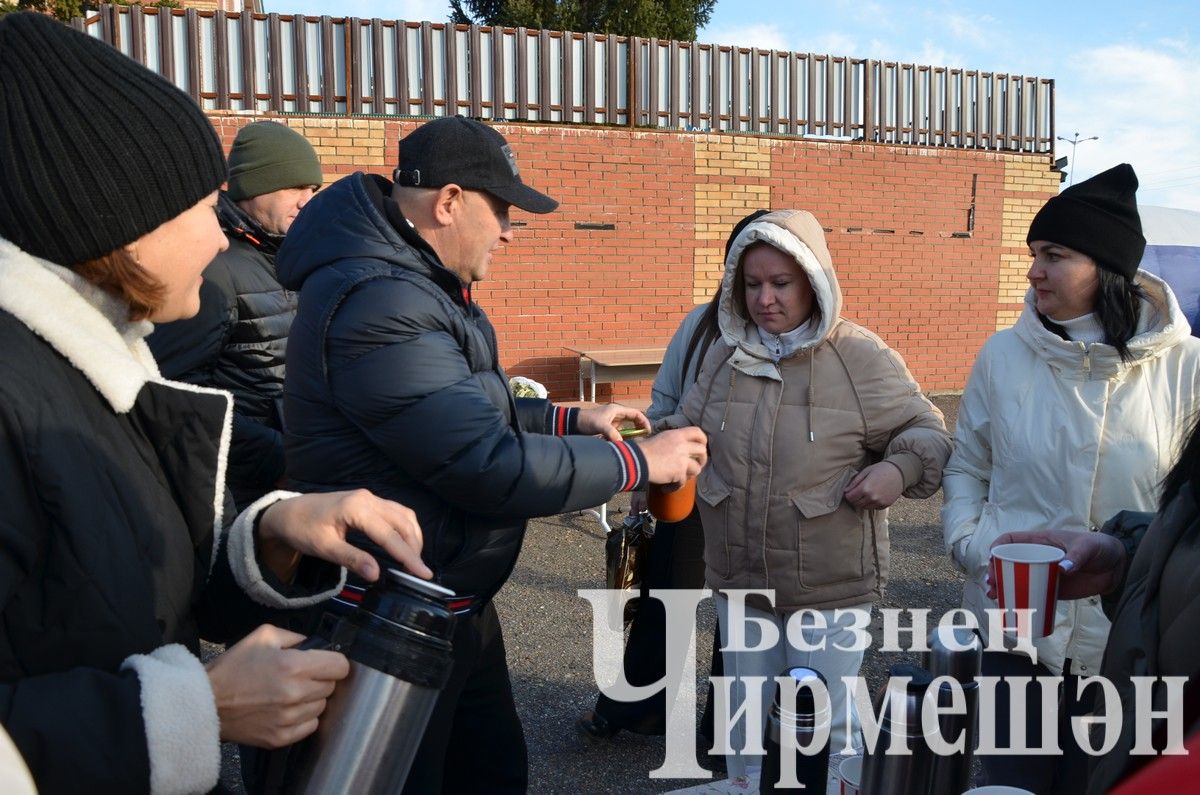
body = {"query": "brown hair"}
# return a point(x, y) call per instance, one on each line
point(120, 274)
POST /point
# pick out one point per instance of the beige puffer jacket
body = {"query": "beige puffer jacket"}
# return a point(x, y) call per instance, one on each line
point(785, 439)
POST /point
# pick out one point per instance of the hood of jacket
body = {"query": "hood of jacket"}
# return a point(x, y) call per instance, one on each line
point(356, 218)
point(1161, 326)
point(798, 234)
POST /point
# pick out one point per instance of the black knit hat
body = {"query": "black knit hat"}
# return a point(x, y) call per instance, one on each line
point(95, 149)
point(461, 151)
point(1098, 217)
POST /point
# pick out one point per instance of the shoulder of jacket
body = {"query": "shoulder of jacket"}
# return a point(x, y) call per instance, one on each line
point(1188, 348)
point(23, 361)
point(395, 293)
point(1006, 342)
point(239, 268)
point(845, 329)
point(856, 343)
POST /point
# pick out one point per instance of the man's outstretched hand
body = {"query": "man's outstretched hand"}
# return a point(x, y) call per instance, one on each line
point(606, 420)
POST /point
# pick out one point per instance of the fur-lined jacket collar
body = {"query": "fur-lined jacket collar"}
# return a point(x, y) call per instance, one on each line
point(82, 322)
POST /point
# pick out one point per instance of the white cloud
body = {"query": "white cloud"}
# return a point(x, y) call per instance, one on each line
point(765, 37)
point(933, 54)
point(1141, 103)
point(831, 43)
point(924, 53)
point(973, 30)
point(866, 14)
point(410, 10)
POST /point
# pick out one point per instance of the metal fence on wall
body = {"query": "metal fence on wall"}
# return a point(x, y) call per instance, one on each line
point(298, 64)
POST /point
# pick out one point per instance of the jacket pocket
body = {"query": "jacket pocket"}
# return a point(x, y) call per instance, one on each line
point(829, 533)
point(713, 500)
point(826, 496)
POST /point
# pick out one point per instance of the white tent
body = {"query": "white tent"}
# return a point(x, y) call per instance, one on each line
point(1173, 252)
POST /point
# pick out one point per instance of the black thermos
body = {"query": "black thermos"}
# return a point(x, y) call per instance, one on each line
point(812, 766)
point(956, 652)
point(907, 773)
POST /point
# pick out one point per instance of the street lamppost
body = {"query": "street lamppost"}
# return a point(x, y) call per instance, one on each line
point(1075, 141)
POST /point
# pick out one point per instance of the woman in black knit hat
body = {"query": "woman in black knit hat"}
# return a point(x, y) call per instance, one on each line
point(116, 547)
point(1070, 416)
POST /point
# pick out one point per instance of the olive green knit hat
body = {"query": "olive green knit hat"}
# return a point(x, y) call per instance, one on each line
point(268, 156)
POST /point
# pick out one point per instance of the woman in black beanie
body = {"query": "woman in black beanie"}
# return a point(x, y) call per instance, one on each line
point(117, 552)
point(1070, 416)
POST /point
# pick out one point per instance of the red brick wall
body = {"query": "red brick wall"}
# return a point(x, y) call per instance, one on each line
point(897, 221)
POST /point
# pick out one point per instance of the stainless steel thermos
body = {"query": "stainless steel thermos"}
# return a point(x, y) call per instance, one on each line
point(955, 652)
point(398, 642)
point(907, 772)
point(812, 769)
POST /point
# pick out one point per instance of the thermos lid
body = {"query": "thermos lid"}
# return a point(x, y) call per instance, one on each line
point(806, 708)
point(411, 603)
point(804, 695)
point(802, 674)
point(417, 584)
point(918, 677)
point(908, 701)
point(955, 652)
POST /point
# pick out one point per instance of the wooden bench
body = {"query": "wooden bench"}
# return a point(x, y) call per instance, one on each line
point(616, 364)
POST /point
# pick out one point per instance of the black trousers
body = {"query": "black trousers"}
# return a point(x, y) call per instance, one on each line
point(676, 561)
point(1044, 775)
point(474, 741)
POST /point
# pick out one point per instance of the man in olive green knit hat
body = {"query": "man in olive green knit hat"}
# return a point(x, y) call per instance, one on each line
point(238, 340)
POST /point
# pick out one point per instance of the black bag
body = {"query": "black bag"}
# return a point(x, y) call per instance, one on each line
point(625, 553)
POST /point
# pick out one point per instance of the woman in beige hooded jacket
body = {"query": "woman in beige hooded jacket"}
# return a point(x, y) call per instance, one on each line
point(815, 427)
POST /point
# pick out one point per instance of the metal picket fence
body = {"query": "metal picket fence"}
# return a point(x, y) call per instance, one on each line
point(300, 64)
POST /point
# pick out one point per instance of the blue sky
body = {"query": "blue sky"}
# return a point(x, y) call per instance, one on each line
point(1128, 72)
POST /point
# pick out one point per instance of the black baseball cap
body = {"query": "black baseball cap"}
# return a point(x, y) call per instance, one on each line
point(461, 151)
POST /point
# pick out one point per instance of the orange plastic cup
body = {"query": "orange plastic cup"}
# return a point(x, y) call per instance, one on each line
point(672, 506)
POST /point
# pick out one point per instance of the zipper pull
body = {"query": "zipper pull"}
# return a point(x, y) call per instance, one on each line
point(1087, 364)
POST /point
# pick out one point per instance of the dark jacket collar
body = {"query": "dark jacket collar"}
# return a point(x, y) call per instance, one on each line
point(240, 226)
point(355, 218)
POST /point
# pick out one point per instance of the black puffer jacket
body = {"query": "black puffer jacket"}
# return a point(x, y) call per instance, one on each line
point(393, 384)
point(1155, 633)
point(238, 342)
point(111, 561)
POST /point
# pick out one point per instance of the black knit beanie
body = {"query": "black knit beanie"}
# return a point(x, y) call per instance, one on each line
point(95, 149)
point(268, 156)
point(1098, 217)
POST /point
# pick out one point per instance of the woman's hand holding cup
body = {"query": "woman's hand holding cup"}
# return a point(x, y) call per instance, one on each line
point(1094, 563)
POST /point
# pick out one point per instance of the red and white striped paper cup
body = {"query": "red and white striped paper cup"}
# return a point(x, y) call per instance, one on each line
point(850, 775)
point(1026, 578)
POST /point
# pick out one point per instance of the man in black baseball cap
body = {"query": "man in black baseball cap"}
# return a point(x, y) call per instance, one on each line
point(394, 384)
point(482, 160)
